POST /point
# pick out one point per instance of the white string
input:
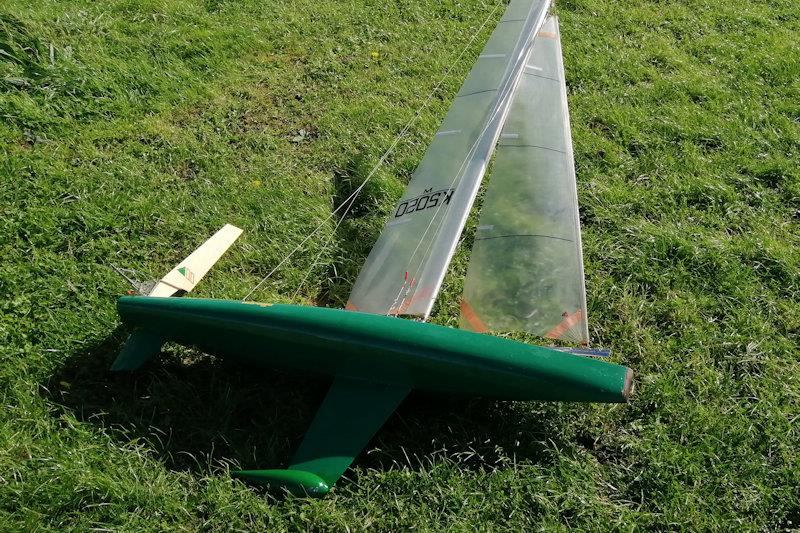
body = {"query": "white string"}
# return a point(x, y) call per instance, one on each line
point(351, 198)
point(324, 247)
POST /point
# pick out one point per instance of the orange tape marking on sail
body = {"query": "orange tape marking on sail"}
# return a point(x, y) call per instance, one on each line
point(350, 306)
point(472, 318)
point(405, 304)
point(564, 325)
point(546, 34)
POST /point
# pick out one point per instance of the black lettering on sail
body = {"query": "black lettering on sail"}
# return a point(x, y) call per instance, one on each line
point(448, 195)
point(427, 200)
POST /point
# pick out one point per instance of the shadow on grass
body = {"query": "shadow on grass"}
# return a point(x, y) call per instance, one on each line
point(358, 232)
point(199, 413)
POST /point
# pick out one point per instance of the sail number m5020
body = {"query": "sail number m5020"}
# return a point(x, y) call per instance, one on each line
point(428, 199)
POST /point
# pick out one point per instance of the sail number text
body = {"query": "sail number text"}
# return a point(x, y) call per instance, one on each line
point(426, 200)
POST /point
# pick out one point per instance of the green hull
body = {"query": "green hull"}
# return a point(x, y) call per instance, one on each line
point(374, 360)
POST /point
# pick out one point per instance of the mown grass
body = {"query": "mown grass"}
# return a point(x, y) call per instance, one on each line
point(133, 129)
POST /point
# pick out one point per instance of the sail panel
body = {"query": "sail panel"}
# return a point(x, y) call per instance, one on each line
point(405, 268)
point(526, 267)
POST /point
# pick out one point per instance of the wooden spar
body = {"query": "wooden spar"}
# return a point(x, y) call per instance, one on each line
point(186, 275)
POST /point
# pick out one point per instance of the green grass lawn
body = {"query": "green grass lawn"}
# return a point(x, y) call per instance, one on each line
point(130, 130)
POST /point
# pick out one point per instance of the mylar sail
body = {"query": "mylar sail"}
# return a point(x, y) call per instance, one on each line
point(405, 268)
point(526, 267)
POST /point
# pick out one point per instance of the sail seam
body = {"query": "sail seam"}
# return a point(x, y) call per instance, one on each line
point(531, 146)
point(540, 76)
point(476, 92)
point(524, 235)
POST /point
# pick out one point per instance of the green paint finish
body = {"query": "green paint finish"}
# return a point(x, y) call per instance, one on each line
point(140, 346)
point(375, 361)
point(297, 482)
point(335, 342)
point(182, 270)
point(352, 412)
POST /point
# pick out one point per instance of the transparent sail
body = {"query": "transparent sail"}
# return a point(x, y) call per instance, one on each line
point(526, 267)
point(405, 268)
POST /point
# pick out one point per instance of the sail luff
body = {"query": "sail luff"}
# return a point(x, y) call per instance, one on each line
point(405, 268)
point(570, 156)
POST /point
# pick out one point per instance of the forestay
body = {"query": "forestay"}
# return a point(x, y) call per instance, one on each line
point(526, 267)
point(405, 269)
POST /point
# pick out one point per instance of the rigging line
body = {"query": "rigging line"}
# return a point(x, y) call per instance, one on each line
point(297, 248)
point(123, 272)
point(388, 151)
point(435, 215)
point(324, 247)
point(437, 231)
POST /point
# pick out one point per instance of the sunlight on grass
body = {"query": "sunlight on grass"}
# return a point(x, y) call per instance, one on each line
point(131, 130)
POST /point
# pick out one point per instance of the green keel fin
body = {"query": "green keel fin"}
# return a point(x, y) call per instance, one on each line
point(140, 346)
point(296, 482)
point(350, 415)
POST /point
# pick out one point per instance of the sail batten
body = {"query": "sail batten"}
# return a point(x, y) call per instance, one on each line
point(406, 267)
point(526, 266)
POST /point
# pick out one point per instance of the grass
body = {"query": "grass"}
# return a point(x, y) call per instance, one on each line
point(131, 130)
